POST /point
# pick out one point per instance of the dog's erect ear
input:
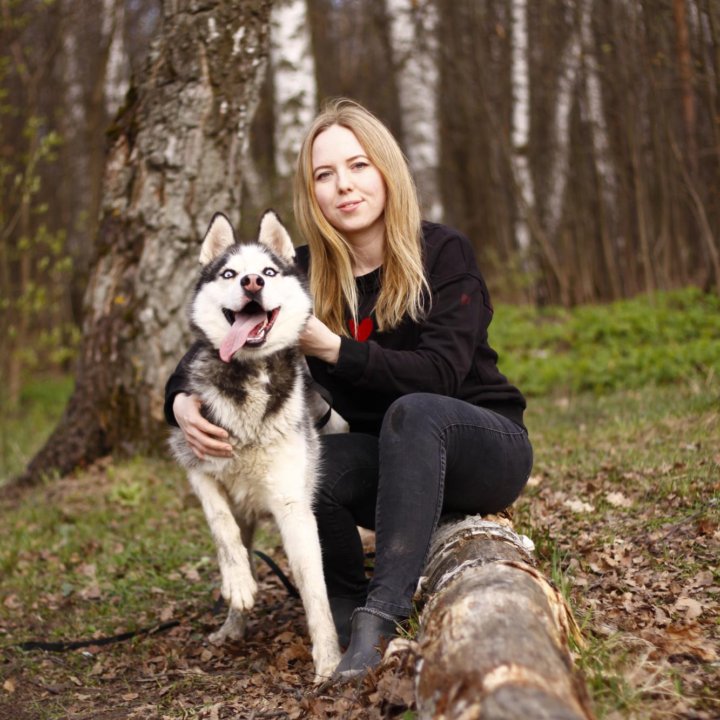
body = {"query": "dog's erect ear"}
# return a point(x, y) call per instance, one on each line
point(218, 238)
point(275, 237)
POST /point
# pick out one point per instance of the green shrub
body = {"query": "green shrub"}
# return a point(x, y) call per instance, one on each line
point(662, 338)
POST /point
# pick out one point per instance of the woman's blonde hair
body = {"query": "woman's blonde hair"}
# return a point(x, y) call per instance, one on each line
point(332, 283)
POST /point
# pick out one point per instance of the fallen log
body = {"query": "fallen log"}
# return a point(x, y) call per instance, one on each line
point(494, 633)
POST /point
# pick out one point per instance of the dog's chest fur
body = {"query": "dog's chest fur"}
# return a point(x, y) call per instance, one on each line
point(253, 401)
point(261, 404)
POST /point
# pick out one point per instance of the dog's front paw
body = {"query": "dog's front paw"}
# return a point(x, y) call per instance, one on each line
point(239, 589)
point(325, 659)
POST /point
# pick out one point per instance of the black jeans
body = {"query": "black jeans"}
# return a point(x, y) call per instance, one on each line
point(434, 455)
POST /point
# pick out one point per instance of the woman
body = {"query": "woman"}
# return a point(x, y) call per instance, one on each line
point(399, 338)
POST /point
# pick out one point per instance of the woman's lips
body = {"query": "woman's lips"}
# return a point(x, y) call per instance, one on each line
point(348, 206)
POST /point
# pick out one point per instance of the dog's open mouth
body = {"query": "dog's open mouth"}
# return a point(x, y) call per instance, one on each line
point(248, 327)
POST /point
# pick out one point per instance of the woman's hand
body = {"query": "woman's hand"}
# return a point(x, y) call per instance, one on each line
point(318, 340)
point(199, 433)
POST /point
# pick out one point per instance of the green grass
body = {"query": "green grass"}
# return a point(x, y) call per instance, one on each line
point(24, 429)
point(119, 540)
point(109, 547)
point(661, 339)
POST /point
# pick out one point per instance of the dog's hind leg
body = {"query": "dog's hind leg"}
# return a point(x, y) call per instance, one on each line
point(238, 582)
point(232, 629)
point(298, 529)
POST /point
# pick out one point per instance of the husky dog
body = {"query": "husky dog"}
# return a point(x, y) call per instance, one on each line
point(248, 309)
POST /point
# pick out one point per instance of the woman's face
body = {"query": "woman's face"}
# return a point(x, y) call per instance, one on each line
point(349, 189)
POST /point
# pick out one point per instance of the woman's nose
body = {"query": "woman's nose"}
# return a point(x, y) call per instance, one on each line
point(344, 181)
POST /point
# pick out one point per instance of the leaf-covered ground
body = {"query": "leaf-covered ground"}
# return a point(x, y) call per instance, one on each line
point(622, 506)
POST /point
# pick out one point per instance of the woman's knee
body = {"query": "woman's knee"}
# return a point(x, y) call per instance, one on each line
point(411, 414)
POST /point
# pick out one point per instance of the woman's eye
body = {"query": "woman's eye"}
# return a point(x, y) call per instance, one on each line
point(322, 176)
point(228, 274)
point(360, 165)
point(270, 272)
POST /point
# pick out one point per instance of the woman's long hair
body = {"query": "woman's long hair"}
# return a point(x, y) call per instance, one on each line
point(332, 283)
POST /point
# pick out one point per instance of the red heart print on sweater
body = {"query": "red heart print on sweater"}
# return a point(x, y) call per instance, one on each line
point(362, 331)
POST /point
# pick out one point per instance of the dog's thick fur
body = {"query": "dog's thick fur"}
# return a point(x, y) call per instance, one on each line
point(247, 311)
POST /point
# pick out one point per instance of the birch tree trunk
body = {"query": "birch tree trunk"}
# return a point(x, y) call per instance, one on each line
point(413, 36)
point(174, 160)
point(117, 73)
point(567, 83)
point(527, 224)
point(494, 633)
point(294, 77)
point(74, 197)
point(605, 170)
point(108, 92)
point(521, 120)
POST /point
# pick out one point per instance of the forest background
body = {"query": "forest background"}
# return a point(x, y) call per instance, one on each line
point(575, 142)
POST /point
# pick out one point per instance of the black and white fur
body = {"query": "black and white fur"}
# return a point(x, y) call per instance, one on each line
point(252, 380)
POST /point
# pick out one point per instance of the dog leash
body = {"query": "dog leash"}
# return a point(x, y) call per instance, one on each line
point(292, 590)
point(67, 645)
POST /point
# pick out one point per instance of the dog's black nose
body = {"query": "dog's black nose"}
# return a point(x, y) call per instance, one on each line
point(252, 284)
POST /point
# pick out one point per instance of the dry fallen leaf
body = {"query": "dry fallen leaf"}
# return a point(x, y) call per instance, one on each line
point(12, 602)
point(682, 640)
point(693, 609)
point(617, 499)
point(192, 575)
point(9, 686)
point(703, 579)
point(91, 592)
point(578, 506)
point(88, 570)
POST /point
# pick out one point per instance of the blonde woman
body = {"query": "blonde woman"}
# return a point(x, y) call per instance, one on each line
point(399, 339)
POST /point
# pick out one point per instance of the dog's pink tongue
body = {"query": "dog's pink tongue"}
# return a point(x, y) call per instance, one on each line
point(238, 334)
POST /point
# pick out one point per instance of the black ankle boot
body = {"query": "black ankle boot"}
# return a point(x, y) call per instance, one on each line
point(342, 609)
point(369, 628)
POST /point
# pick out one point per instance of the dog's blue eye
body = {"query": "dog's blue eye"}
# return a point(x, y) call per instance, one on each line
point(228, 274)
point(270, 272)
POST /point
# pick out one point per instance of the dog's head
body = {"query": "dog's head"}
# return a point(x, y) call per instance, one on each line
point(250, 300)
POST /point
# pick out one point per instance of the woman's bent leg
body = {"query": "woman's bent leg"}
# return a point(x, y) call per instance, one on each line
point(437, 454)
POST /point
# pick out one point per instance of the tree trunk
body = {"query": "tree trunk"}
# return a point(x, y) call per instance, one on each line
point(685, 67)
point(602, 162)
point(117, 69)
point(560, 164)
point(521, 121)
point(494, 633)
point(174, 160)
point(414, 41)
point(294, 76)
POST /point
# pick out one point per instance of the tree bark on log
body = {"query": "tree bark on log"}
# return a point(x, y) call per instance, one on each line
point(494, 633)
point(174, 160)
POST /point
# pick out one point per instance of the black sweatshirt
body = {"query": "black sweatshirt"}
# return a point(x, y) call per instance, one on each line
point(446, 353)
